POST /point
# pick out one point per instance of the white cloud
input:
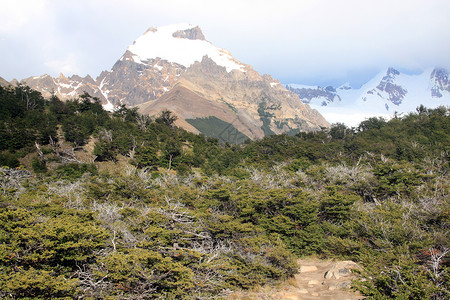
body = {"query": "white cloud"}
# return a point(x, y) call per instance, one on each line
point(67, 65)
point(15, 15)
point(322, 40)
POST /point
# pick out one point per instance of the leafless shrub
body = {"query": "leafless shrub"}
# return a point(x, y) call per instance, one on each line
point(89, 284)
point(343, 174)
point(166, 179)
point(436, 259)
point(108, 213)
point(144, 174)
point(278, 177)
point(143, 121)
point(430, 205)
point(72, 191)
point(12, 179)
point(106, 135)
point(130, 170)
point(384, 159)
point(68, 156)
point(132, 151)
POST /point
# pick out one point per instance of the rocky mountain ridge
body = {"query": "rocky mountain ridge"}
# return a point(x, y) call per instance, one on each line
point(167, 66)
point(3, 82)
point(308, 93)
point(387, 94)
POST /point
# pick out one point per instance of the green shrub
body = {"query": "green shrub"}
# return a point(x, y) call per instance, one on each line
point(8, 159)
point(73, 171)
point(39, 165)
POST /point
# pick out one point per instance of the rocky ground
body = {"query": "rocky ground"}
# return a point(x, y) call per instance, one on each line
point(317, 279)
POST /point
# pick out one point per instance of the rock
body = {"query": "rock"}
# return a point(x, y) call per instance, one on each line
point(341, 269)
point(342, 285)
point(305, 269)
point(303, 291)
point(191, 34)
point(289, 297)
point(313, 282)
point(315, 294)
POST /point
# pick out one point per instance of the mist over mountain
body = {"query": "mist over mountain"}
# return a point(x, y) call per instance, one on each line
point(387, 94)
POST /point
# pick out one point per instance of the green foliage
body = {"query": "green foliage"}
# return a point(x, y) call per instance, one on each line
point(8, 159)
point(396, 179)
point(36, 284)
point(23, 119)
point(73, 171)
point(39, 165)
point(60, 241)
point(266, 117)
point(397, 275)
point(167, 118)
point(336, 205)
point(216, 128)
point(146, 156)
point(195, 217)
point(145, 272)
point(37, 254)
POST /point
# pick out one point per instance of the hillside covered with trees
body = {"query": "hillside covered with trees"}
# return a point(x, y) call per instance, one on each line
point(118, 205)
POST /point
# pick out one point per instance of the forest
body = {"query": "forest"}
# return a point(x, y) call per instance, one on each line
point(101, 205)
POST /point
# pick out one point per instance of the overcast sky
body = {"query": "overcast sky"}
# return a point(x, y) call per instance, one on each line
point(304, 41)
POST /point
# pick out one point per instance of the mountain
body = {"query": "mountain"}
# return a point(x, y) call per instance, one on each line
point(175, 68)
point(388, 93)
point(4, 82)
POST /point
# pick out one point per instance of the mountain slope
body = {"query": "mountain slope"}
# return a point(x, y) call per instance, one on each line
point(3, 82)
point(175, 68)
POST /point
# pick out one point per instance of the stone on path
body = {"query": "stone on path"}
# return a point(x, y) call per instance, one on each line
point(341, 269)
point(313, 282)
point(305, 269)
point(302, 291)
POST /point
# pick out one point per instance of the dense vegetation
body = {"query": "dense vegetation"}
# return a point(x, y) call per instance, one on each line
point(216, 128)
point(121, 206)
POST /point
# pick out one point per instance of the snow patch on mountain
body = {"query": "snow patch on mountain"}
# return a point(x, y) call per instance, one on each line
point(163, 42)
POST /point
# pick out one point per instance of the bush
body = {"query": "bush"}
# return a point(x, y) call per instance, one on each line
point(73, 171)
point(8, 159)
point(39, 165)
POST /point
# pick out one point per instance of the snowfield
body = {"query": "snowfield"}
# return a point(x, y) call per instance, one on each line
point(161, 43)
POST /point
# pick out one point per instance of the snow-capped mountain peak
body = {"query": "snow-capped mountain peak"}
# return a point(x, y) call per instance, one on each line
point(175, 68)
point(183, 44)
point(388, 89)
point(440, 82)
point(388, 93)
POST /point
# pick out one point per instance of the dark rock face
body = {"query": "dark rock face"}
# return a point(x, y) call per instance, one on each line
point(440, 82)
point(132, 83)
point(308, 94)
point(395, 93)
point(191, 34)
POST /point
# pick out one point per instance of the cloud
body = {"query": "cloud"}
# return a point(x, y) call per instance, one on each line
point(295, 41)
point(15, 15)
point(67, 65)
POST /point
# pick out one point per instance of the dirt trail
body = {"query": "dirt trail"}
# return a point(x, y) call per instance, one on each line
point(310, 283)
